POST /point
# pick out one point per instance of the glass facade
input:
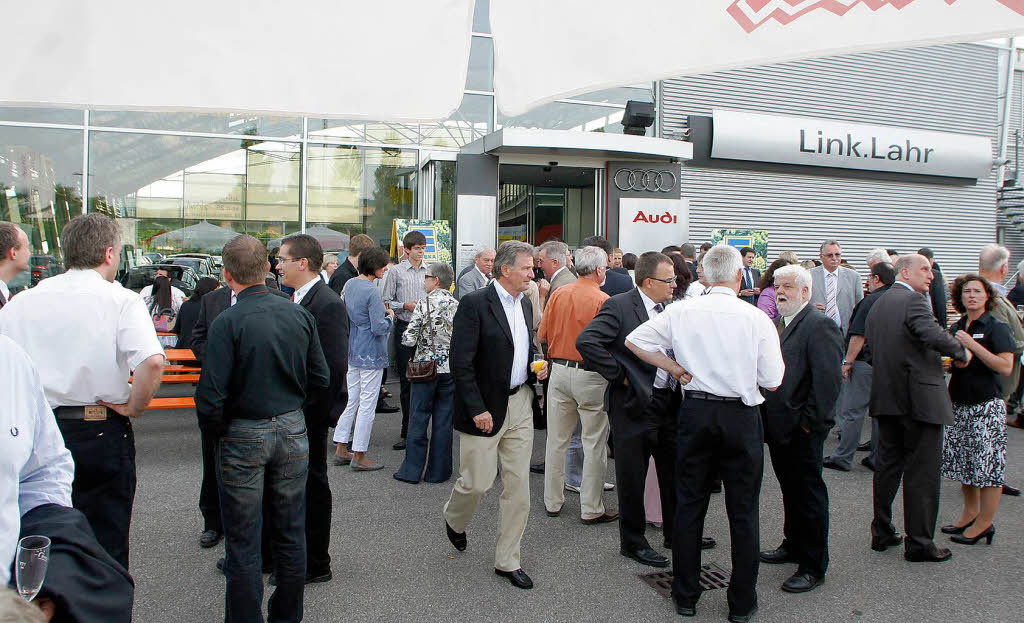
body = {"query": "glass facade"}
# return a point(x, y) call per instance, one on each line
point(185, 182)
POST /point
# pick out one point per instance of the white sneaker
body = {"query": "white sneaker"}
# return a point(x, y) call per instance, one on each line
point(609, 486)
point(569, 487)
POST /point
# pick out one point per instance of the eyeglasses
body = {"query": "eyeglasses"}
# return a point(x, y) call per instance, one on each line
point(425, 277)
point(669, 280)
point(290, 259)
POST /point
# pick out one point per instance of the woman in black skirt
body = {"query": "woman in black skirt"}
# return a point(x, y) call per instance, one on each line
point(974, 448)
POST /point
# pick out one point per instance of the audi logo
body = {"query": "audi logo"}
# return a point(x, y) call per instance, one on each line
point(645, 180)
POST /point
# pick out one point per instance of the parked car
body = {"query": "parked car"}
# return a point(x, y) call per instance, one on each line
point(203, 265)
point(43, 266)
point(154, 257)
point(182, 277)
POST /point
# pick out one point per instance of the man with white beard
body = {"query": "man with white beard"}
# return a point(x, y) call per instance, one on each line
point(797, 419)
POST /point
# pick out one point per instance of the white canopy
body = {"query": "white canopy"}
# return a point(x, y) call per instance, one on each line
point(400, 60)
point(550, 49)
point(203, 236)
point(329, 239)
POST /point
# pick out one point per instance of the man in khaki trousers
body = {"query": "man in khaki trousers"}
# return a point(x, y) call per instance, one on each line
point(574, 394)
point(491, 351)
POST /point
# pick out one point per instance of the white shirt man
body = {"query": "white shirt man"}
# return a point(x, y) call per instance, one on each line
point(15, 252)
point(35, 466)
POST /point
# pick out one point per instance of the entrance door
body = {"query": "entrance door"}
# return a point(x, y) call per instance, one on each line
point(541, 203)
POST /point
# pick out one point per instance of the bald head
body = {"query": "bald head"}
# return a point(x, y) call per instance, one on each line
point(914, 270)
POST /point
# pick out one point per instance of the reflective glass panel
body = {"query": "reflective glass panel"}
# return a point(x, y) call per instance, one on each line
point(213, 123)
point(359, 190)
point(174, 194)
point(482, 16)
point(567, 116)
point(40, 191)
point(471, 121)
point(481, 65)
point(619, 95)
point(42, 115)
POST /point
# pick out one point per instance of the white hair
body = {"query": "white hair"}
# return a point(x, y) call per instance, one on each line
point(589, 259)
point(482, 251)
point(878, 255)
point(722, 264)
point(993, 257)
point(798, 273)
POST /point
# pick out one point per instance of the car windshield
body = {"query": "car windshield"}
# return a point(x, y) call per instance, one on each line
point(194, 264)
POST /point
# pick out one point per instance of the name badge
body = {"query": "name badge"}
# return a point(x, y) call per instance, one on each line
point(978, 336)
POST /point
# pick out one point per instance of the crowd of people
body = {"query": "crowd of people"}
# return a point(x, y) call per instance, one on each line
point(679, 366)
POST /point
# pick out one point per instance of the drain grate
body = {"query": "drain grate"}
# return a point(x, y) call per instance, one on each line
point(711, 577)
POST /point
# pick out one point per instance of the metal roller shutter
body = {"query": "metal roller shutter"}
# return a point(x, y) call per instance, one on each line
point(951, 88)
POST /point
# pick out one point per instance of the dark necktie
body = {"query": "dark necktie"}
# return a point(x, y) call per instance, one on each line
point(659, 308)
point(3, 299)
point(782, 324)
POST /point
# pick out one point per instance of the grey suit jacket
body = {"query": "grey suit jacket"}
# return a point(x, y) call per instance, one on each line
point(562, 278)
point(850, 291)
point(906, 365)
point(470, 281)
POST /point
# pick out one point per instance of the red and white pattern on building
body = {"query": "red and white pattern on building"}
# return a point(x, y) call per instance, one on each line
point(752, 14)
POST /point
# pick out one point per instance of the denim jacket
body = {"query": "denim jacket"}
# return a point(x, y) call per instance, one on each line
point(369, 326)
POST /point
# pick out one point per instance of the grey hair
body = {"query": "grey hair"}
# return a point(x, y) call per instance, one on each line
point(481, 252)
point(878, 255)
point(444, 273)
point(555, 250)
point(821, 249)
point(993, 257)
point(330, 257)
point(797, 272)
point(722, 264)
point(589, 259)
point(507, 254)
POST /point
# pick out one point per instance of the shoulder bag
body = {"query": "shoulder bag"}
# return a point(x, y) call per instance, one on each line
point(423, 371)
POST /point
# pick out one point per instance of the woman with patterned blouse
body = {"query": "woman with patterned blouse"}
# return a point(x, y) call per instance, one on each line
point(974, 447)
point(430, 331)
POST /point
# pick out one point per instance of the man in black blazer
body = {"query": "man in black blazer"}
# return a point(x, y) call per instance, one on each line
point(751, 277)
point(300, 259)
point(491, 351)
point(797, 418)
point(911, 404)
point(210, 306)
point(614, 283)
point(641, 402)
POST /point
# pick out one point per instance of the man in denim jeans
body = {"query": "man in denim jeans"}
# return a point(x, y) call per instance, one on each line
point(262, 360)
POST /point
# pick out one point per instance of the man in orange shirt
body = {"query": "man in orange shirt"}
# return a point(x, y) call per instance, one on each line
point(574, 394)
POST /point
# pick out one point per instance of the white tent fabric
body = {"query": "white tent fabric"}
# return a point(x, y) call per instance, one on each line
point(547, 49)
point(400, 60)
point(329, 239)
point(204, 236)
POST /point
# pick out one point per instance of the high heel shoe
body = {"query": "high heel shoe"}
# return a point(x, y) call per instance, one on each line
point(954, 529)
point(988, 534)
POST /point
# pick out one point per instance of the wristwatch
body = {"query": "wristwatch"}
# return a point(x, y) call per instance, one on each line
point(845, 362)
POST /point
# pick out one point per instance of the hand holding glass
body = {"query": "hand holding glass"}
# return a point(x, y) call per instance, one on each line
point(30, 569)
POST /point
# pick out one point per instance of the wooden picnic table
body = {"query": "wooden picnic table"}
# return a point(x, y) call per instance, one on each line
point(179, 354)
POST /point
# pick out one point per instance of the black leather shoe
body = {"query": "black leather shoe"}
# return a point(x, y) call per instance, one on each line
point(686, 611)
point(880, 544)
point(716, 486)
point(605, 518)
point(867, 462)
point(399, 446)
point(1008, 490)
point(864, 447)
point(801, 583)
point(310, 578)
point(954, 529)
point(743, 618)
point(537, 468)
point(458, 539)
point(706, 542)
point(209, 538)
point(778, 556)
point(518, 578)
point(988, 534)
point(645, 556)
point(384, 407)
point(932, 553)
point(830, 463)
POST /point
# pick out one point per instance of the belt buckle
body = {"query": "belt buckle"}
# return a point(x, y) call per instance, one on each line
point(95, 413)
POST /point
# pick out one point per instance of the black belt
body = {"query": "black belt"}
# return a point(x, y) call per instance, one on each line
point(568, 363)
point(711, 397)
point(90, 413)
point(512, 391)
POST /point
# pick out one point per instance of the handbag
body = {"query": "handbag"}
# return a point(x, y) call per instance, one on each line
point(423, 371)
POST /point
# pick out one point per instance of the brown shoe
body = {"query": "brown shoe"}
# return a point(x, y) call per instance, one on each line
point(605, 518)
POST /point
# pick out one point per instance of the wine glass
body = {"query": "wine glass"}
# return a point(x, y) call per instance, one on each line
point(536, 366)
point(30, 571)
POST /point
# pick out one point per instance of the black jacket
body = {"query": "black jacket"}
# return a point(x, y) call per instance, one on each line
point(812, 349)
point(616, 283)
point(212, 305)
point(937, 293)
point(906, 347)
point(342, 274)
point(602, 344)
point(481, 358)
point(185, 321)
point(332, 328)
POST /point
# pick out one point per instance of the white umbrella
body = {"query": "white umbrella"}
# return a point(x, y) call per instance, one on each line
point(203, 236)
point(329, 239)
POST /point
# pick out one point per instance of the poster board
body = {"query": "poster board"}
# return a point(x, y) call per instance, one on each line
point(757, 239)
point(438, 234)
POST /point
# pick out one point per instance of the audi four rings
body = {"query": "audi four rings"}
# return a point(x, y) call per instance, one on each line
point(645, 179)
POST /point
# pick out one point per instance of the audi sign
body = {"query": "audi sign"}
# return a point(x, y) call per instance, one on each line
point(644, 180)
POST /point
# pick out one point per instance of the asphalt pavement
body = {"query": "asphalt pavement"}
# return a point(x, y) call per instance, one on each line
point(393, 562)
